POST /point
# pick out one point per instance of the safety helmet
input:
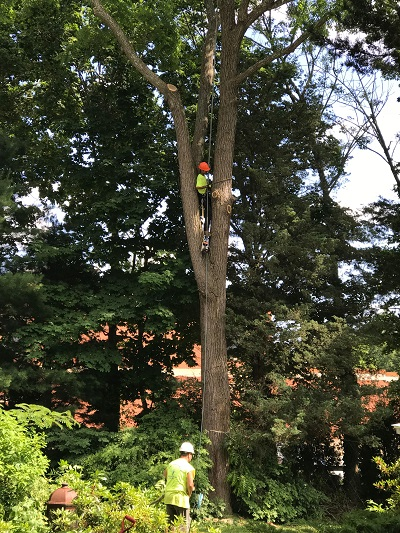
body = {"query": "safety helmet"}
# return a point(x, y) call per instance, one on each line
point(187, 447)
point(204, 166)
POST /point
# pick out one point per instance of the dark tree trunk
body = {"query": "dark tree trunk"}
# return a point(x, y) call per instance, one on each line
point(109, 409)
point(351, 480)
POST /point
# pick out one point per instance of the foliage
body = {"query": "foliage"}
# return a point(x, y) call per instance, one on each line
point(23, 464)
point(371, 522)
point(296, 388)
point(41, 417)
point(23, 486)
point(100, 507)
point(72, 446)
point(114, 272)
point(263, 488)
point(389, 482)
point(111, 266)
point(140, 454)
point(377, 28)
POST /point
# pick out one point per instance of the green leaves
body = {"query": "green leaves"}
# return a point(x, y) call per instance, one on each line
point(40, 417)
point(23, 466)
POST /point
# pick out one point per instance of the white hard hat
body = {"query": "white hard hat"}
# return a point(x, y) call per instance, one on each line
point(187, 447)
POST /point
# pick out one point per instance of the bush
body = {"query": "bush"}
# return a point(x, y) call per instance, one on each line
point(100, 509)
point(23, 486)
point(371, 522)
point(389, 482)
point(139, 455)
point(264, 489)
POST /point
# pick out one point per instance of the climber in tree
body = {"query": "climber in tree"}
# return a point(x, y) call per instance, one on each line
point(203, 187)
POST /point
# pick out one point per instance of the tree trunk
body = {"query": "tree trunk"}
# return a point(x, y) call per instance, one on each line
point(351, 480)
point(110, 407)
point(216, 394)
point(216, 401)
point(111, 403)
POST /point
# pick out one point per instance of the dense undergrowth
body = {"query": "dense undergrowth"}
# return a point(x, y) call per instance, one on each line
point(124, 477)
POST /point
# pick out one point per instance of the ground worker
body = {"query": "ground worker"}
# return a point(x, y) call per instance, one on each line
point(203, 187)
point(179, 476)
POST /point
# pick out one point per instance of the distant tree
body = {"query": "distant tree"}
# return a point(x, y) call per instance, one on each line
point(364, 97)
point(376, 44)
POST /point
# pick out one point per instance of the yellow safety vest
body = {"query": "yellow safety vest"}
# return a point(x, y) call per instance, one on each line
point(201, 184)
point(176, 487)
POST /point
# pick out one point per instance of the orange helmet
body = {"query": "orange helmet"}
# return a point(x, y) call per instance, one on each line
point(204, 166)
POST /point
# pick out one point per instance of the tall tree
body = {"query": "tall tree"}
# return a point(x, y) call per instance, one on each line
point(229, 22)
point(293, 242)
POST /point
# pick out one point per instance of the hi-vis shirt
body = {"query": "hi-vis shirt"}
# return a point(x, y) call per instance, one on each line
point(201, 183)
point(176, 487)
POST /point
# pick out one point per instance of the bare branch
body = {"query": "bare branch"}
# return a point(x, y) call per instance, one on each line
point(277, 54)
point(367, 103)
point(258, 11)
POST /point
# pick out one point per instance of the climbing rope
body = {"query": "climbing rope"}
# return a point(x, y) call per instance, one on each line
point(205, 340)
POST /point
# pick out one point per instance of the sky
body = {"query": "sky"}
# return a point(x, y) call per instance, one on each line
point(368, 175)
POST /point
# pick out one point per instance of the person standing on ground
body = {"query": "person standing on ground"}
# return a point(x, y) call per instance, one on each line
point(179, 476)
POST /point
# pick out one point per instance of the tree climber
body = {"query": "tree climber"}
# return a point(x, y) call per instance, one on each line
point(203, 187)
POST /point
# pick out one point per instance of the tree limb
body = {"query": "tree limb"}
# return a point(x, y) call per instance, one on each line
point(266, 5)
point(277, 54)
point(242, 13)
point(171, 94)
point(128, 48)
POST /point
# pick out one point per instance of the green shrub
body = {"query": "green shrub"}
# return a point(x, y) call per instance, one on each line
point(73, 446)
point(100, 509)
point(371, 522)
point(23, 486)
point(139, 455)
point(389, 483)
point(263, 489)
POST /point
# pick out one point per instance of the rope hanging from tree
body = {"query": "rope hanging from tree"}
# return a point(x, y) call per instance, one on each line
point(205, 358)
